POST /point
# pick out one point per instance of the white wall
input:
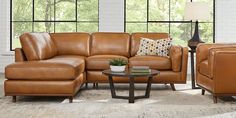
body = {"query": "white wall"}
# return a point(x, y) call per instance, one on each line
point(5, 55)
point(225, 20)
point(111, 15)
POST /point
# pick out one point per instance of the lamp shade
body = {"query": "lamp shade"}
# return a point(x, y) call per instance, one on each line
point(196, 11)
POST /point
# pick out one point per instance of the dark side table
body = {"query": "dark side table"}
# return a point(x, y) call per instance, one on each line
point(131, 77)
point(192, 51)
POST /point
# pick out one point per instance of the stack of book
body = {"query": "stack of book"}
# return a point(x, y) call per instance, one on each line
point(140, 69)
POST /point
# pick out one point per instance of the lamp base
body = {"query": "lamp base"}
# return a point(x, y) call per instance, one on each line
point(192, 43)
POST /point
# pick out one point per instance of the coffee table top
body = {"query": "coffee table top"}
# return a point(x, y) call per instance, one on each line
point(128, 73)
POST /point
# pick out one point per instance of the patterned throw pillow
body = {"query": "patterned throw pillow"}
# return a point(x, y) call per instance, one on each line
point(158, 47)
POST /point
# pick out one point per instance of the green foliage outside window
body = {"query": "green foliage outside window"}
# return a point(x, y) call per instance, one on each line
point(166, 16)
point(141, 16)
point(53, 16)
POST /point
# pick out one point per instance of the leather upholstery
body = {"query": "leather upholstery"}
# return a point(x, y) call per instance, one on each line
point(204, 68)
point(57, 68)
point(97, 76)
point(38, 46)
point(184, 64)
point(164, 77)
point(72, 43)
point(205, 82)
point(218, 76)
point(223, 69)
point(202, 54)
point(110, 44)
point(136, 37)
point(19, 55)
point(59, 63)
point(215, 50)
point(154, 62)
point(100, 62)
point(176, 53)
point(43, 88)
point(202, 51)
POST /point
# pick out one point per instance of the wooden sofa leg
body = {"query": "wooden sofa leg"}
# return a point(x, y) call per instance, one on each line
point(215, 99)
point(70, 99)
point(96, 85)
point(86, 85)
point(203, 92)
point(93, 85)
point(13, 98)
point(172, 87)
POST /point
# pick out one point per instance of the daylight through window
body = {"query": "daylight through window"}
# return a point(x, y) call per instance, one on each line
point(166, 16)
point(52, 16)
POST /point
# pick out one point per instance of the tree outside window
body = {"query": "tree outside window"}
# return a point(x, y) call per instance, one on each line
point(166, 16)
point(52, 16)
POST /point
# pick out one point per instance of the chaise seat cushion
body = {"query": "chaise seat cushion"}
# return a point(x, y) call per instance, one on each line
point(154, 62)
point(101, 62)
point(57, 68)
point(203, 68)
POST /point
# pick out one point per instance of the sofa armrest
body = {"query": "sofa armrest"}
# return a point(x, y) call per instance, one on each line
point(222, 64)
point(176, 57)
point(184, 66)
point(202, 51)
point(19, 55)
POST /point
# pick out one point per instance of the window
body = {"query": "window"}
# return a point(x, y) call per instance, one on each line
point(166, 16)
point(52, 16)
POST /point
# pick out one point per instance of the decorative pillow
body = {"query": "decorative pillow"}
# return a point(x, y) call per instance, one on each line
point(158, 47)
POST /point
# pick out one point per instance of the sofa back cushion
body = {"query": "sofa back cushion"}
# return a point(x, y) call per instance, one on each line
point(136, 37)
point(110, 44)
point(37, 46)
point(72, 43)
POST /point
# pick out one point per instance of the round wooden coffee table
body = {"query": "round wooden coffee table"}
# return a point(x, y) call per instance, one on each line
point(131, 77)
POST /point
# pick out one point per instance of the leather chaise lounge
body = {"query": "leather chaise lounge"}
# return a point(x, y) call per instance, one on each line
point(58, 64)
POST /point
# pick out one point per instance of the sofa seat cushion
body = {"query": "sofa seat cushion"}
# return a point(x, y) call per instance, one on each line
point(203, 68)
point(57, 68)
point(101, 62)
point(154, 62)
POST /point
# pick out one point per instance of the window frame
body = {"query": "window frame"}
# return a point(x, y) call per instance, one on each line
point(169, 22)
point(54, 21)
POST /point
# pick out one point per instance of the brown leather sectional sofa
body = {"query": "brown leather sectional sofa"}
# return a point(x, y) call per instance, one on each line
point(58, 64)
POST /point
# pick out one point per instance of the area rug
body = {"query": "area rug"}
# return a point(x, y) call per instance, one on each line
point(97, 103)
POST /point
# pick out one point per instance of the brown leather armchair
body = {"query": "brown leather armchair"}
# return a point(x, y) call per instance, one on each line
point(216, 71)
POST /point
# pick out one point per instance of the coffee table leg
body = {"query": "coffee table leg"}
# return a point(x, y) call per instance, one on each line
point(131, 90)
point(113, 93)
point(149, 83)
